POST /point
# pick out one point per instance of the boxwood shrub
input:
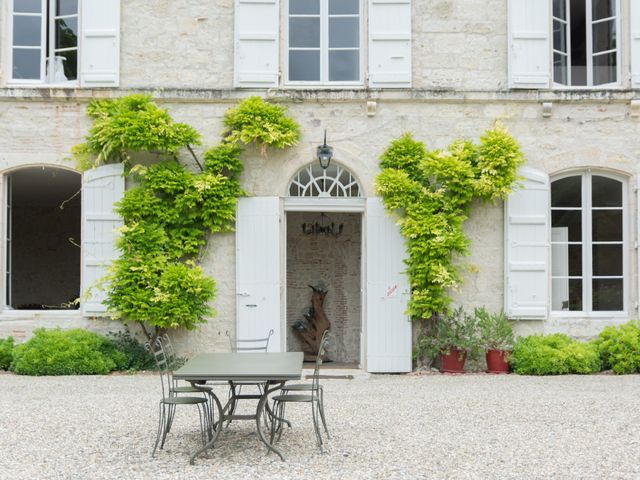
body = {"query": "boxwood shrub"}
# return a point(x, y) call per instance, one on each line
point(6, 352)
point(554, 355)
point(619, 347)
point(69, 352)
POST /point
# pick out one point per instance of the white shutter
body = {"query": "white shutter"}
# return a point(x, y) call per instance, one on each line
point(527, 247)
point(529, 44)
point(100, 43)
point(258, 269)
point(637, 242)
point(390, 43)
point(256, 44)
point(388, 328)
point(635, 43)
point(101, 188)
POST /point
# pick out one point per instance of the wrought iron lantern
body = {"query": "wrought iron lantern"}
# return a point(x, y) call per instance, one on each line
point(324, 153)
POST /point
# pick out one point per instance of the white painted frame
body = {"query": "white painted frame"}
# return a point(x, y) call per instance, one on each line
point(587, 244)
point(324, 49)
point(44, 53)
point(590, 55)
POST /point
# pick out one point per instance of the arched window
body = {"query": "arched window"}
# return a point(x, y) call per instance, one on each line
point(313, 181)
point(588, 243)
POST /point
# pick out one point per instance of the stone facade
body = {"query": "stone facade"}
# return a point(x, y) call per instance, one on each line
point(182, 53)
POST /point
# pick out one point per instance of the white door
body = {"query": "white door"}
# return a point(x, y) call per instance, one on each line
point(388, 327)
point(258, 253)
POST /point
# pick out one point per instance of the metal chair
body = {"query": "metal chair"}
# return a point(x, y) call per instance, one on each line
point(314, 398)
point(170, 398)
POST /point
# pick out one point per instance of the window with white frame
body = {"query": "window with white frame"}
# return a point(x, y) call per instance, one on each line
point(44, 41)
point(586, 43)
point(324, 41)
point(588, 232)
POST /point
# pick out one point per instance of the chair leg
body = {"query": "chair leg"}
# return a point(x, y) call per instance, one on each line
point(166, 425)
point(170, 417)
point(321, 407)
point(314, 414)
point(160, 428)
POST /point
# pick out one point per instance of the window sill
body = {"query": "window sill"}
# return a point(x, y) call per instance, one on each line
point(74, 85)
point(588, 315)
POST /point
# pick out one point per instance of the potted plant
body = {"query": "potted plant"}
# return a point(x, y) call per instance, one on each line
point(496, 336)
point(452, 336)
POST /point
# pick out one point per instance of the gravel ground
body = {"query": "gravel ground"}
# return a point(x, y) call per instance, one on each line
point(383, 426)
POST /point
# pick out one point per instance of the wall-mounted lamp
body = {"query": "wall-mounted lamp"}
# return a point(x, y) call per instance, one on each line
point(324, 153)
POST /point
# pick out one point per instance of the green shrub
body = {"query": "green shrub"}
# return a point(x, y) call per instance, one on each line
point(6, 352)
point(70, 352)
point(619, 347)
point(137, 356)
point(553, 355)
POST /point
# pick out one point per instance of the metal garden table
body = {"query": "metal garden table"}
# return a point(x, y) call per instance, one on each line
point(271, 369)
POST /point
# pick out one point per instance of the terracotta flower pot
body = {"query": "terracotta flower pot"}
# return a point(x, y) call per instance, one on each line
point(454, 362)
point(497, 361)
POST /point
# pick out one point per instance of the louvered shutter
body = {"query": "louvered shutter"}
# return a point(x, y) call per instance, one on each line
point(527, 247)
point(256, 43)
point(635, 43)
point(102, 187)
point(390, 43)
point(100, 43)
point(529, 44)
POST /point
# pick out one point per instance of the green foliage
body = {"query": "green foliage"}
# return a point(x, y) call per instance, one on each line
point(432, 192)
point(262, 123)
point(619, 347)
point(496, 332)
point(453, 329)
point(70, 352)
point(6, 352)
point(130, 124)
point(137, 356)
point(553, 355)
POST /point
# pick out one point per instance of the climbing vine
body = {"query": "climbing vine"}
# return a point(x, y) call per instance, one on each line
point(169, 214)
point(432, 193)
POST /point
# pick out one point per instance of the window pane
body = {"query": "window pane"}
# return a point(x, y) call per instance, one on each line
point(559, 36)
point(304, 7)
point(606, 192)
point(567, 192)
point(26, 31)
point(69, 64)
point(67, 33)
point(566, 294)
point(343, 7)
point(603, 9)
point(566, 260)
point(26, 64)
point(607, 294)
point(344, 32)
point(607, 225)
point(570, 220)
point(560, 69)
point(304, 66)
point(304, 32)
point(607, 260)
point(604, 36)
point(560, 9)
point(66, 7)
point(344, 66)
point(27, 6)
point(604, 68)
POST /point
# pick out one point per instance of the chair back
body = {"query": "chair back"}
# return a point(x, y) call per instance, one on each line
point(250, 344)
point(316, 371)
point(157, 349)
point(169, 351)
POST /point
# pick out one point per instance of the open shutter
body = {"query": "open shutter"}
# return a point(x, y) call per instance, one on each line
point(388, 326)
point(529, 44)
point(101, 188)
point(256, 43)
point(390, 43)
point(258, 269)
point(635, 43)
point(527, 247)
point(100, 43)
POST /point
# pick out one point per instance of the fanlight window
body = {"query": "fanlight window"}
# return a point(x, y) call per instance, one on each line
point(313, 181)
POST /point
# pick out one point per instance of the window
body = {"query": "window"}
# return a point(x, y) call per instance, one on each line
point(324, 38)
point(586, 50)
point(44, 41)
point(588, 244)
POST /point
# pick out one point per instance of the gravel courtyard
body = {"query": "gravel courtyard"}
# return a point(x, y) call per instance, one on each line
point(383, 426)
